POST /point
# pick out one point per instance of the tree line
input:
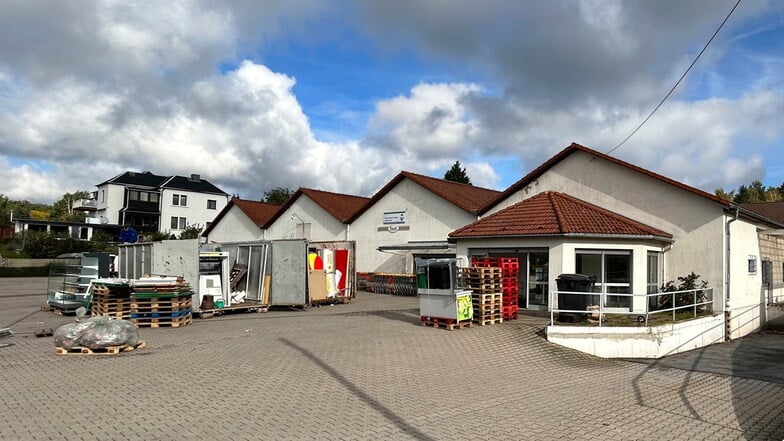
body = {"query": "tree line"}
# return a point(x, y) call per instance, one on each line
point(61, 210)
point(753, 193)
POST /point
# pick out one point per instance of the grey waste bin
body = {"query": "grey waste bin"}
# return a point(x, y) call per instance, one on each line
point(575, 302)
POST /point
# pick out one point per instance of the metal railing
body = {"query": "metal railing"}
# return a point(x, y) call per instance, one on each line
point(696, 300)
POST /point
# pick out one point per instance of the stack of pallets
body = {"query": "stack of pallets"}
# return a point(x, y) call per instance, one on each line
point(487, 298)
point(159, 302)
point(510, 268)
point(111, 299)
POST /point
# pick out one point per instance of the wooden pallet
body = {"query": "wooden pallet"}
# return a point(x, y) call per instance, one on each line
point(489, 320)
point(111, 350)
point(147, 322)
point(449, 324)
point(486, 298)
point(161, 304)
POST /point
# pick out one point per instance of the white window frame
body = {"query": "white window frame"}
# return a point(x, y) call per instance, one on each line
point(601, 286)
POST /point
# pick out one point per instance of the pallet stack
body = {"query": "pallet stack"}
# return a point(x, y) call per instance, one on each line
point(159, 302)
point(487, 297)
point(510, 268)
point(110, 299)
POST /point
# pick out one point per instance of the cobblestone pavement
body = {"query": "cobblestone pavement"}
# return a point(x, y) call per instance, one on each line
point(361, 371)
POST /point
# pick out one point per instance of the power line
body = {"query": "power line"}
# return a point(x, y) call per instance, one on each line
point(679, 80)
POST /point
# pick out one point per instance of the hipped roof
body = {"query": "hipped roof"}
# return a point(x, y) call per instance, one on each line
point(557, 214)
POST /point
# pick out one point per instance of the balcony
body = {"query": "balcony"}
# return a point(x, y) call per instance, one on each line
point(85, 205)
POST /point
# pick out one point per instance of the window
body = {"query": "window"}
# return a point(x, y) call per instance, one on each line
point(178, 223)
point(752, 264)
point(154, 197)
point(144, 196)
point(180, 199)
point(103, 195)
point(133, 195)
point(613, 272)
point(767, 266)
point(212, 204)
point(653, 281)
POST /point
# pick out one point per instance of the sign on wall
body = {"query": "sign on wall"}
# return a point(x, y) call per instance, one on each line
point(394, 217)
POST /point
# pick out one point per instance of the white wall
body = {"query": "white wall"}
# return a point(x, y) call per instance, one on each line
point(747, 301)
point(235, 226)
point(697, 224)
point(195, 212)
point(113, 200)
point(428, 218)
point(323, 227)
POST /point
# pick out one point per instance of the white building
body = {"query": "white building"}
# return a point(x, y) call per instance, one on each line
point(586, 212)
point(149, 202)
point(314, 215)
point(410, 217)
point(239, 221)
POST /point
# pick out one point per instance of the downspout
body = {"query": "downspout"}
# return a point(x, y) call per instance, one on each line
point(348, 232)
point(729, 254)
point(727, 327)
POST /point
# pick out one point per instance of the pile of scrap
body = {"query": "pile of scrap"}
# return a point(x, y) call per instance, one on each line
point(161, 301)
point(102, 335)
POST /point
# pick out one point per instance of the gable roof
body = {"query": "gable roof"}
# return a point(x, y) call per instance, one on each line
point(194, 183)
point(574, 147)
point(340, 206)
point(771, 210)
point(141, 179)
point(467, 197)
point(258, 212)
point(557, 214)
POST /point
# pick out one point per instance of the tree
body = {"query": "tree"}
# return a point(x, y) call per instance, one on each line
point(457, 174)
point(63, 209)
point(724, 195)
point(278, 195)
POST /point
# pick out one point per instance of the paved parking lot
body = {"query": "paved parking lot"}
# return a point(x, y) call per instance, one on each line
point(366, 370)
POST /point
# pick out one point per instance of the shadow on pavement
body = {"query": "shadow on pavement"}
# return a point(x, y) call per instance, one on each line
point(354, 389)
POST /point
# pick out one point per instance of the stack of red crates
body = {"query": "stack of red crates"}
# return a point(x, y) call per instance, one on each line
point(510, 269)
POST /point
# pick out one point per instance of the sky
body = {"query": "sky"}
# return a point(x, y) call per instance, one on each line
point(343, 95)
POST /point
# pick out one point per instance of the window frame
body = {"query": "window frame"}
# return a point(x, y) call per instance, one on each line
point(212, 202)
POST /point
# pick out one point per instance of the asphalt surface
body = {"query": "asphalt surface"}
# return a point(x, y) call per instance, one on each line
point(369, 370)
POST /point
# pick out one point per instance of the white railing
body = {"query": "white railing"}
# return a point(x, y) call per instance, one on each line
point(696, 300)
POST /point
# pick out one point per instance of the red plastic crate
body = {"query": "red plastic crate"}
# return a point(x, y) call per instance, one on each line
point(510, 312)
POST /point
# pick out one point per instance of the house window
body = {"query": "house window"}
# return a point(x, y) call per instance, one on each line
point(212, 204)
point(154, 197)
point(752, 264)
point(103, 195)
point(180, 199)
point(144, 196)
point(178, 223)
point(133, 195)
point(612, 270)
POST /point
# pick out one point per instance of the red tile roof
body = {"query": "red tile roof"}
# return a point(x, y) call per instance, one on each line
point(258, 212)
point(468, 198)
point(771, 210)
point(340, 206)
point(574, 147)
point(556, 214)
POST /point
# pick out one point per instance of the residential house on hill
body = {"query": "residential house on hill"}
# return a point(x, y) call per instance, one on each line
point(151, 202)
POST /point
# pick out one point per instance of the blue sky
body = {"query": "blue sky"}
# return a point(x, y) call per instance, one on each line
point(342, 95)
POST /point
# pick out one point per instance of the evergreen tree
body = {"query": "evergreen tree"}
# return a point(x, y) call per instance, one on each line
point(457, 174)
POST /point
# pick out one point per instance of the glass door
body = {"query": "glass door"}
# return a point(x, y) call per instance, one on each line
point(537, 279)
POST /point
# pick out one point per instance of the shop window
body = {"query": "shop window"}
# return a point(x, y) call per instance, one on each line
point(612, 270)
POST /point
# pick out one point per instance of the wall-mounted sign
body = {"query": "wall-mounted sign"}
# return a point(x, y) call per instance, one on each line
point(394, 217)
